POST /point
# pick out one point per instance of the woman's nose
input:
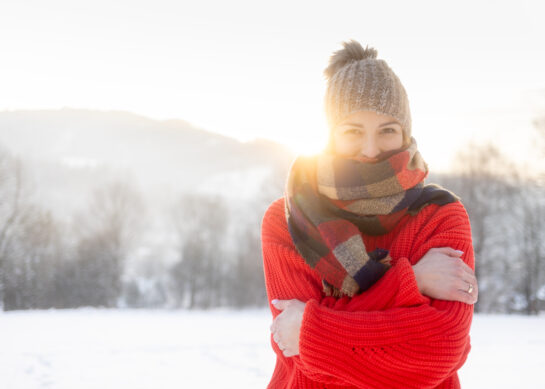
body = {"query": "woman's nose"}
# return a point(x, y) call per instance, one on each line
point(369, 148)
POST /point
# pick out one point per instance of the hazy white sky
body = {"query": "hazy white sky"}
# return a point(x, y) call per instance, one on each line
point(254, 69)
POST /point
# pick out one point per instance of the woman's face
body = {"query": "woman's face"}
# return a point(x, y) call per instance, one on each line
point(366, 134)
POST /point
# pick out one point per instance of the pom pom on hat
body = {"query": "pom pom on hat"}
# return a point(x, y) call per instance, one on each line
point(352, 51)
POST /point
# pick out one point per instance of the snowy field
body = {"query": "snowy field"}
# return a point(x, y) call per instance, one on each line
point(133, 349)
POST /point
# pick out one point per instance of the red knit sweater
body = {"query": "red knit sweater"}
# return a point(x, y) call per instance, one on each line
point(390, 336)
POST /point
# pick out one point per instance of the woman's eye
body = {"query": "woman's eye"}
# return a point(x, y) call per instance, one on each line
point(353, 131)
point(389, 130)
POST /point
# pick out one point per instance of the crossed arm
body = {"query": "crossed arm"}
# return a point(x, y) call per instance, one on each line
point(411, 326)
point(440, 274)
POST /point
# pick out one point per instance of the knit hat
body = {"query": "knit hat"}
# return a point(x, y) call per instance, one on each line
point(358, 81)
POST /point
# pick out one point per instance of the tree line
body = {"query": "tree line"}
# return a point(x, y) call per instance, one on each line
point(46, 263)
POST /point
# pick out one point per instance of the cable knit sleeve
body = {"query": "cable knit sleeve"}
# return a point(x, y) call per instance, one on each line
point(388, 336)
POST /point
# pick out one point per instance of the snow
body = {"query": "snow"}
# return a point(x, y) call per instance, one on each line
point(94, 348)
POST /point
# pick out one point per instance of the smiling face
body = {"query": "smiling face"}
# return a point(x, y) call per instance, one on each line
point(366, 134)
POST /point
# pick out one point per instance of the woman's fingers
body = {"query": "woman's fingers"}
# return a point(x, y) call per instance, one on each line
point(467, 291)
point(277, 339)
point(465, 297)
point(469, 279)
point(467, 269)
point(474, 290)
point(275, 329)
point(448, 251)
point(274, 325)
point(456, 254)
point(289, 353)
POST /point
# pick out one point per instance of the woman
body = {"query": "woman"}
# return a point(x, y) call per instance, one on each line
point(370, 273)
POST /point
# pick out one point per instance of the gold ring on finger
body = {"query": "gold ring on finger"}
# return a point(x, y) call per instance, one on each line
point(470, 288)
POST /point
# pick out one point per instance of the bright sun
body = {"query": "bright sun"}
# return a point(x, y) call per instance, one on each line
point(306, 139)
point(309, 146)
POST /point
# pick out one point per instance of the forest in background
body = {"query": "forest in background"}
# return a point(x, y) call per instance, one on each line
point(46, 262)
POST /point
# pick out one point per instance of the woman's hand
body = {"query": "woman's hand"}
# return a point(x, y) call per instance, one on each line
point(286, 326)
point(442, 274)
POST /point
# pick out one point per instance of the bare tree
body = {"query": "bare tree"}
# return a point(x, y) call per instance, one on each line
point(106, 233)
point(145, 281)
point(14, 208)
point(246, 279)
point(198, 277)
point(32, 266)
point(532, 234)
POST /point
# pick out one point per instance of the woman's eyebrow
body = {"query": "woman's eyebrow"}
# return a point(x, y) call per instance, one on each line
point(386, 124)
point(352, 124)
point(361, 125)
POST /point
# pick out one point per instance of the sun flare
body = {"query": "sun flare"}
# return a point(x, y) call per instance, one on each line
point(306, 138)
point(309, 146)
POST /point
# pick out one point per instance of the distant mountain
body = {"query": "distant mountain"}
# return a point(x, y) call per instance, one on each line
point(72, 151)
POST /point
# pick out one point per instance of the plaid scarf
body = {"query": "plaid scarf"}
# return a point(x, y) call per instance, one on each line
point(331, 200)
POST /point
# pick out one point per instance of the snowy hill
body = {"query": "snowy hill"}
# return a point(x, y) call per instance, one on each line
point(69, 152)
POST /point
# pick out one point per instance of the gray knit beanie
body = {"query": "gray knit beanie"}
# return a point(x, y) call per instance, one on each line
point(358, 81)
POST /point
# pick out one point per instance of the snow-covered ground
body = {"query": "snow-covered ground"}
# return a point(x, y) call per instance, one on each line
point(90, 348)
